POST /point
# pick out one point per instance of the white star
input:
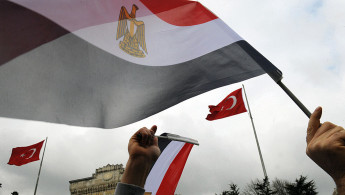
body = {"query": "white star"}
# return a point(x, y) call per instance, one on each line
point(22, 155)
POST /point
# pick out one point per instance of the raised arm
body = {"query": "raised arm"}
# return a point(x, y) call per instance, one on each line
point(143, 152)
point(326, 147)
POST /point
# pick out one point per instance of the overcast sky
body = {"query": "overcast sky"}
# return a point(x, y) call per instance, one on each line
point(304, 39)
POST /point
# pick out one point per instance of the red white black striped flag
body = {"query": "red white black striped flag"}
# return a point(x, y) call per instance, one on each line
point(110, 63)
point(167, 170)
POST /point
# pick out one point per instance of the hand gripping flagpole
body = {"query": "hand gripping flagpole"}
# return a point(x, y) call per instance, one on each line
point(39, 172)
point(256, 137)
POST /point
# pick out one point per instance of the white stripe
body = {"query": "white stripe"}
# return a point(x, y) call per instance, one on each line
point(166, 44)
point(161, 166)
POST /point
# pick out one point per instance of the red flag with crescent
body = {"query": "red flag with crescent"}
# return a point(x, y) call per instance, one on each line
point(23, 155)
point(233, 104)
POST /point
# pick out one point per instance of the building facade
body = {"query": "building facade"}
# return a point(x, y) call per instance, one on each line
point(102, 182)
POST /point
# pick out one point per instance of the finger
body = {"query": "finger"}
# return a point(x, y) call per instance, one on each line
point(154, 129)
point(336, 132)
point(314, 123)
point(152, 132)
point(155, 139)
point(145, 134)
point(341, 136)
point(137, 136)
point(325, 129)
point(149, 138)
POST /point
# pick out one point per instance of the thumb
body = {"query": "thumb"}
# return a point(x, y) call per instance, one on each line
point(154, 128)
point(314, 123)
point(155, 139)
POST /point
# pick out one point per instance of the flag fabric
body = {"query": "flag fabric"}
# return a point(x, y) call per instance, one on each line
point(231, 105)
point(111, 63)
point(23, 155)
point(166, 172)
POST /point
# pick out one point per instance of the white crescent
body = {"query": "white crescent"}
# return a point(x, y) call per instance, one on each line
point(233, 104)
point(34, 151)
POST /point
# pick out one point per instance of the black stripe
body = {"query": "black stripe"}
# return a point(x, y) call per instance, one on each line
point(265, 64)
point(163, 143)
point(74, 82)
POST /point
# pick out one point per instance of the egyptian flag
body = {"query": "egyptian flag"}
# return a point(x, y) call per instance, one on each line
point(109, 63)
point(166, 172)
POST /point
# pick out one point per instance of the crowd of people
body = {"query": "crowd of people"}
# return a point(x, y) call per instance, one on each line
point(325, 146)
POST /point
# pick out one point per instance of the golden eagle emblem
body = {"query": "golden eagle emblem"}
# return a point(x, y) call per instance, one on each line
point(132, 39)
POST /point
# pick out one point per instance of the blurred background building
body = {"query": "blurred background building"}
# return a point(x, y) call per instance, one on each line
point(102, 182)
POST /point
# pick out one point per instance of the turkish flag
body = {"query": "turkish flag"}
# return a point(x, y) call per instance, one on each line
point(233, 104)
point(23, 155)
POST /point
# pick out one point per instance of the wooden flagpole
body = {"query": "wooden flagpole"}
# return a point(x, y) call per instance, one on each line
point(256, 137)
point(39, 171)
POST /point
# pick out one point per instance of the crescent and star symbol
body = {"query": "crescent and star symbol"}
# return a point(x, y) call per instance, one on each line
point(34, 151)
point(233, 104)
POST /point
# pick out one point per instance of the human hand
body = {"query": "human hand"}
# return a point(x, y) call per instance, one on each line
point(143, 144)
point(143, 152)
point(326, 147)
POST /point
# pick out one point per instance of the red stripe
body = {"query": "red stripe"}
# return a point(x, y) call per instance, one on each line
point(180, 12)
point(173, 174)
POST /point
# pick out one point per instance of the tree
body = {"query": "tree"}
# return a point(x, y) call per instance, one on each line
point(279, 185)
point(264, 188)
point(301, 187)
point(259, 188)
point(234, 190)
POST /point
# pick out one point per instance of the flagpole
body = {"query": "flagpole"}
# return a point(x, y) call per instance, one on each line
point(256, 137)
point(294, 98)
point(39, 171)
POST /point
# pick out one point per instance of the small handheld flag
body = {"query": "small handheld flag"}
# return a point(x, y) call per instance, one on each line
point(166, 172)
point(233, 104)
point(23, 155)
